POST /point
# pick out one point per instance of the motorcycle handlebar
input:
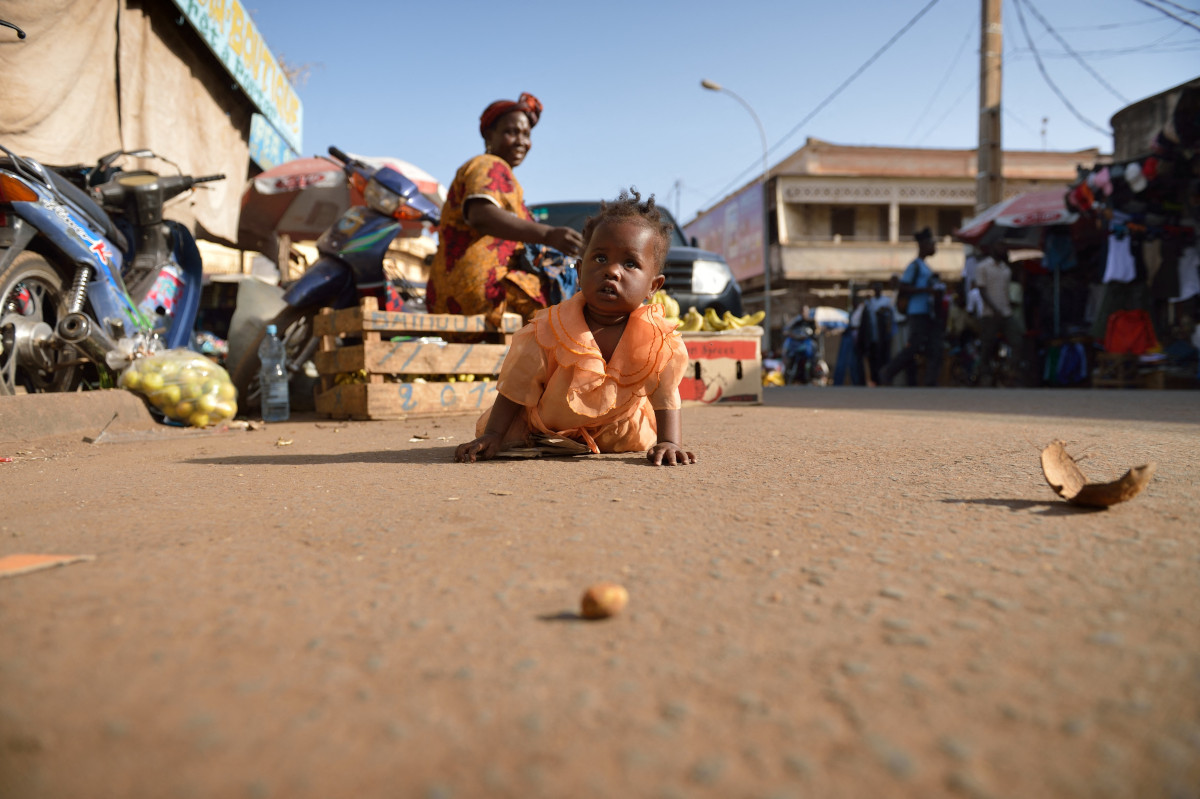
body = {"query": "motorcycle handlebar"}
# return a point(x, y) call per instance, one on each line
point(208, 178)
point(339, 155)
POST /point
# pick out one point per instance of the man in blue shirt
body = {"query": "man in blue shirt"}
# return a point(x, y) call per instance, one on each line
point(919, 285)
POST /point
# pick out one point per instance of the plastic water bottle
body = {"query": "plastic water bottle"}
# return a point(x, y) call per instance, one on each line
point(273, 378)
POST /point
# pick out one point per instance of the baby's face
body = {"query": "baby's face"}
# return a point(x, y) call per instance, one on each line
point(620, 267)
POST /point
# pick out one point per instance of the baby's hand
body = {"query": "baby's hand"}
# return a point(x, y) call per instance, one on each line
point(668, 453)
point(482, 448)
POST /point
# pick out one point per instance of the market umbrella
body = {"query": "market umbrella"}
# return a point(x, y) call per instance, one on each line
point(303, 197)
point(1019, 218)
point(1019, 222)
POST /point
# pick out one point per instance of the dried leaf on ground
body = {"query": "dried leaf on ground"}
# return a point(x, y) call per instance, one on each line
point(1064, 476)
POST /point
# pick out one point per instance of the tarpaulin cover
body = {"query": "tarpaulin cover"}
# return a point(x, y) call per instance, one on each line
point(304, 197)
point(1033, 209)
point(95, 76)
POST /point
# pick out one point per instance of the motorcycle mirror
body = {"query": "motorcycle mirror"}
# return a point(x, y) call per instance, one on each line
point(107, 160)
point(7, 24)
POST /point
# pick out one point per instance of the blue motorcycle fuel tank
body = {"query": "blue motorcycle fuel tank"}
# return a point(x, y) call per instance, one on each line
point(73, 234)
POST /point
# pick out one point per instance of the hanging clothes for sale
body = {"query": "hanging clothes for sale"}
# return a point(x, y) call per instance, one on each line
point(1130, 332)
point(1120, 266)
point(1189, 274)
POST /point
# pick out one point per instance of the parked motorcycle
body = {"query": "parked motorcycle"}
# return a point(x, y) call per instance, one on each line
point(804, 353)
point(967, 367)
point(350, 267)
point(89, 268)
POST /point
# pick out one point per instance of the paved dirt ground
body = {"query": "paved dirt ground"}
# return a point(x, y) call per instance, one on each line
point(854, 593)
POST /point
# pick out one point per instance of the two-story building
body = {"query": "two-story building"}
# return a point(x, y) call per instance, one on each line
point(838, 214)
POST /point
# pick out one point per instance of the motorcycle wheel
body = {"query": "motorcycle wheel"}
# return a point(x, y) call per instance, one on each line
point(821, 374)
point(31, 292)
point(296, 328)
point(1007, 374)
point(962, 370)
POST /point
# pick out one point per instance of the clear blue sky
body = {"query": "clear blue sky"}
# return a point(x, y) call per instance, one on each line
point(621, 81)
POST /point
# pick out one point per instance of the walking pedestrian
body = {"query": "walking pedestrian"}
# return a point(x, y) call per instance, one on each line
point(918, 290)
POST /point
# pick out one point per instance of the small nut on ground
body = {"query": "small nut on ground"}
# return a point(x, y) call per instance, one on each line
point(603, 600)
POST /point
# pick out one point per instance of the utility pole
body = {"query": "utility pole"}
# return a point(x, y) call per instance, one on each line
point(989, 181)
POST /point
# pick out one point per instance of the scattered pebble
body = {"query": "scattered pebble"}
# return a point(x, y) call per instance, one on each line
point(897, 761)
point(798, 765)
point(955, 747)
point(1106, 638)
point(1075, 727)
point(968, 785)
point(676, 711)
point(707, 771)
point(854, 668)
point(602, 600)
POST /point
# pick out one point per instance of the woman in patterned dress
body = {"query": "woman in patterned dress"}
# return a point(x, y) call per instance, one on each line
point(485, 222)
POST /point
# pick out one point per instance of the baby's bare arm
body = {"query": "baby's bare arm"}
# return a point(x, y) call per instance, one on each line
point(669, 450)
point(504, 411)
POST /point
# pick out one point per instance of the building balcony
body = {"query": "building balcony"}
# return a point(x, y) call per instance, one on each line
point(861, 258)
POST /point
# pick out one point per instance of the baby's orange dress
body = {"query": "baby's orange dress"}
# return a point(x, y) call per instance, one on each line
point(555, 370)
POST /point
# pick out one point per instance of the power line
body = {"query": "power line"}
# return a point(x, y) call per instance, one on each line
point(1162, 10)
point(972, 84)
point(942, 84)
point(1008, 113)
point(755, 166)
point(1042, 68)
point(1033, 10)
point(1111, 25)
point(1175, 47)
point(1185, 9)
point(1156, 45)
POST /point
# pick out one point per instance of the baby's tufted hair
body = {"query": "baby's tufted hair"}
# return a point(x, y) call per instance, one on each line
point(629, 205)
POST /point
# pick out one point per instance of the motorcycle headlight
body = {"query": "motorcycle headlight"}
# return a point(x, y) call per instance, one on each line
point(381, 199)
point(710, 277)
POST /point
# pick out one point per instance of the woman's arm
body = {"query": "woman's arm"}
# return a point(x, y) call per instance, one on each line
point(504, 411)
point(492, 220)
point(668, 451)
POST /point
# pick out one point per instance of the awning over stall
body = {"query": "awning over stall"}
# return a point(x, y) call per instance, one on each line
point(1025, 212)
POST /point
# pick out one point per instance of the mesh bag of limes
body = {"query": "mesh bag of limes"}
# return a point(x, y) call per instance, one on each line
point(184, 386)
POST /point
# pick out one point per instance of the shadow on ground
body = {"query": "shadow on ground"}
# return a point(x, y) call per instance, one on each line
point(1178, 407)
point(1048, 507)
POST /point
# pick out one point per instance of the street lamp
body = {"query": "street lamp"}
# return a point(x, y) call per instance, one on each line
point(716, 87)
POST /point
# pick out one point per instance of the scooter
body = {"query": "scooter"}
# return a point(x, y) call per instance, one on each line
point(350, 267)
point(82, 290)
point(804, 353)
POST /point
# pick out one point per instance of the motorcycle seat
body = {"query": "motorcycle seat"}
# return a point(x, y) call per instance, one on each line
point(89, 207)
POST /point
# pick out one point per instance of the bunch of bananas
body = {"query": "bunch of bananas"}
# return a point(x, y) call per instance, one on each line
point(669, 304)
point(693, 320)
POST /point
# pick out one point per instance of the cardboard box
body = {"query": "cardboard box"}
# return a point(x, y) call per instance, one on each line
point(724, 367)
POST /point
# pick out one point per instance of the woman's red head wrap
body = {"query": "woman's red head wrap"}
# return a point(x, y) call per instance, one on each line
point(531, 105)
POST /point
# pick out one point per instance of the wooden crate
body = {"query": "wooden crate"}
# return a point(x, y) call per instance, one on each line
point(724, 367)
point(373, 352)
